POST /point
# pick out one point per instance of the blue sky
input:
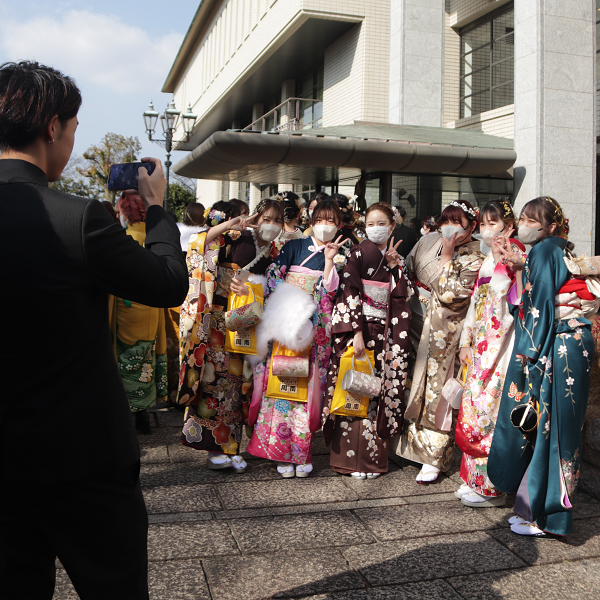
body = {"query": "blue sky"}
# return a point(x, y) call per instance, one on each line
point(119, 52)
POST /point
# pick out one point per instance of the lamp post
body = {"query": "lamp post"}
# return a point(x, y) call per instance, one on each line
point(169, 121)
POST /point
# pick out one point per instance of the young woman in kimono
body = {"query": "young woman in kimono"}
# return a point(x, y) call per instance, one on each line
point(138, 331)
point(550, 366)
point(302, 283)
point(445, 268)
point(485, 349)
point(213, 382)
point(374, 289)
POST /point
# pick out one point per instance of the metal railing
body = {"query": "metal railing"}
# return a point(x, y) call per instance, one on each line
point(294, 123)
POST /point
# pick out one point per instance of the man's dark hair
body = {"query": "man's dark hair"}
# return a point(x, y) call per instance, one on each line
point(30, 95)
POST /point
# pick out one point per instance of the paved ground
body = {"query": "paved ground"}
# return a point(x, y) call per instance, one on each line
point(221, 536)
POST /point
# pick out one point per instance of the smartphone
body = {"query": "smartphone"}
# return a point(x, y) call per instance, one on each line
point(242, 275)
point(125, 176)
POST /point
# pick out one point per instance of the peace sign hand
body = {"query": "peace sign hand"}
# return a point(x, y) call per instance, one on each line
point(509, 257)
point(242, 223)
point(392, 256)
point(331, 249)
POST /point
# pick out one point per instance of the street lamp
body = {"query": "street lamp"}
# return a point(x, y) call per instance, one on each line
point(169, 122)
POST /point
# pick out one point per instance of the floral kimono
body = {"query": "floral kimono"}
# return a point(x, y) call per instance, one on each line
point(140, 344)
point(550, 365)
point(213, 382)
point(447, 292)
point(298, 296)
point(488, 330)
point(364, 303)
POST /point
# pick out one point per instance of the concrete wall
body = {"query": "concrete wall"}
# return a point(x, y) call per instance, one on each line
point(500, 122)
point(417, 62)
point(555, 95)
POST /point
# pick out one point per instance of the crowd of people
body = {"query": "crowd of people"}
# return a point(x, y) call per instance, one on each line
point(469, 328)
point(458, 301)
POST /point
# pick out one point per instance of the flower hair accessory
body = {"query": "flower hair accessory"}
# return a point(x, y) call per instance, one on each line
point(464, 208)
point(215, 217)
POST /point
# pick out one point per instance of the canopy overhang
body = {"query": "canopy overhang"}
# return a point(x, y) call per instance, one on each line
point(312, 156)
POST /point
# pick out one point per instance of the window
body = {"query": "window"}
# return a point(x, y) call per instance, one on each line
point(487, 64)
point(311, 114)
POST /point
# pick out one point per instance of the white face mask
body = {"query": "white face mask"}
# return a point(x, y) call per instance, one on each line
point(528, 235)
point(268, 231)
point(378, 234)
point(324, 233)
point(488, 234)
point(123, 220)
point(448, 231)
point(423, 231)
point(310, 212)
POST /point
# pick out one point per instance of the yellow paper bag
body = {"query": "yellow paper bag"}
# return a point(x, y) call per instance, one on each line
point(344, 403)
point(243, 341)
point(290, 388)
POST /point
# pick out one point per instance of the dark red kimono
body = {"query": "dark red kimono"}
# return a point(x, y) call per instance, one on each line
point(362, 444)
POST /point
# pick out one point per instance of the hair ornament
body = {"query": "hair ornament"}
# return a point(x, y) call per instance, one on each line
point(207, 212)
point(464, 208)
point(215, 217)
point(508, 211)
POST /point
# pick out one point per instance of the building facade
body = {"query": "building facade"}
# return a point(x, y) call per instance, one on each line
point(419, 102)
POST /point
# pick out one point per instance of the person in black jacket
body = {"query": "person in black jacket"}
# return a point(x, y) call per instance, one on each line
point(69, 456)
point(401, 232)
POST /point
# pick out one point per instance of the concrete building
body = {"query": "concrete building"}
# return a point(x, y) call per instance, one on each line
point(416, 102)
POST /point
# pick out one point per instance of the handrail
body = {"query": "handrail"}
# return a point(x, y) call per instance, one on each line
point(292, 122)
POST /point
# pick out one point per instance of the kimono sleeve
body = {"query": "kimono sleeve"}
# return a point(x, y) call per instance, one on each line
point(278, 268)
point(347, 311)
point(454, 285)
point(466, 337)
point(545, 272)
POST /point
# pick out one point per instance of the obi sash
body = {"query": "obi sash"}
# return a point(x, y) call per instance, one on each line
point(225, 273)
point(483, 280)
point(375, 298)
point(305, 279)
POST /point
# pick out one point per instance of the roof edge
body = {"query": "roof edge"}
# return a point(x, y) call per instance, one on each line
point(187, 45)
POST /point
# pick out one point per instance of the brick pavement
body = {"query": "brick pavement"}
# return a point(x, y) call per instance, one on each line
point(221, 536)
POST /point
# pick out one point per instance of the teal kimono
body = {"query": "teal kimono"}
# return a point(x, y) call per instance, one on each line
point(557, 341)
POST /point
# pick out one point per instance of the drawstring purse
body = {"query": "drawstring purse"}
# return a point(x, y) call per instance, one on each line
point(525, 417)
point(244, 316)
point(360, 384)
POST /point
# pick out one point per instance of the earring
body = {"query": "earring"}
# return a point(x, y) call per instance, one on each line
point(51, 141)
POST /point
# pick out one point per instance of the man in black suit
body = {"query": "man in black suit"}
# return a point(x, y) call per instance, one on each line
point(401, 232)
point(69, 457)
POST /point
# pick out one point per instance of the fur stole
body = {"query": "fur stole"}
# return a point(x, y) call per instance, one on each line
point(286, 319)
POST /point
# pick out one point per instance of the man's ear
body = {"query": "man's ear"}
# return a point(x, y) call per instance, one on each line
point(52, 130)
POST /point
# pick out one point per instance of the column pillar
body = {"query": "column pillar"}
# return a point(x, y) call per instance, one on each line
point(258, 110)
point(416, 84)
point(288, 90)
point(555, 115)
point(254, 196)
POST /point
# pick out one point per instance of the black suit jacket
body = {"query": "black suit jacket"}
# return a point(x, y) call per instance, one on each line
point(408, 236)
point(64, 414)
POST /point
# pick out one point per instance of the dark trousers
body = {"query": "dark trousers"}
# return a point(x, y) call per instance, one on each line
point(97, 527)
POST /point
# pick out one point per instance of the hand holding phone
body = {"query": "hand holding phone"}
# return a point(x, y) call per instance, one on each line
point(242, 275)
point(152, 187)
point(238, 283)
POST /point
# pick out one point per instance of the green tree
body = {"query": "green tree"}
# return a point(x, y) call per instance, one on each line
point(179, 198)
point(113, 149)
